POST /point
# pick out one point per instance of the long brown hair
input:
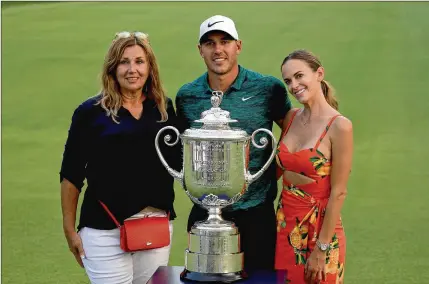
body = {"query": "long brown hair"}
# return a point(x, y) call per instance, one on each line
point(314, 63)
point(111, 99)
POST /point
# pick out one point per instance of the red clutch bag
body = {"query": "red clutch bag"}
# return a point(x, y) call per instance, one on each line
point(142, 233)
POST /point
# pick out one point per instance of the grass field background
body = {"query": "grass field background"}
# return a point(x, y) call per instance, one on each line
point(375, 54)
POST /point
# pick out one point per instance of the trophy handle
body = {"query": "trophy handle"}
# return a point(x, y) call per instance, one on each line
point(264, 142)
point(167, 138)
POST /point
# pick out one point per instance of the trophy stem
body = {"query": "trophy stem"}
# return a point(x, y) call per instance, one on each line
point(215, 215)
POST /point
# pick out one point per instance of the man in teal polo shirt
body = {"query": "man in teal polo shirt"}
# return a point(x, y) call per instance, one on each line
point(256, 101)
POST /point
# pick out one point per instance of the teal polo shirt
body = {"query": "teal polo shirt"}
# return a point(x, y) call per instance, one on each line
point(256, 101)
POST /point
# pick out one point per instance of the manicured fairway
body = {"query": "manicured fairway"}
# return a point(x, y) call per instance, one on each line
point(375, 54)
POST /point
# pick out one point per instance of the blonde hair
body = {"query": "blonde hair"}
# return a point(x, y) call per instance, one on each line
point(314, 63)
point(111, 99)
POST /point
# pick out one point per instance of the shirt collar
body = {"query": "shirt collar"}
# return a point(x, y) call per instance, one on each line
point(236, 85)
point(147, 103)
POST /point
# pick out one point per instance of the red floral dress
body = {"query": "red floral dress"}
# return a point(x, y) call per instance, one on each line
point(301, 210)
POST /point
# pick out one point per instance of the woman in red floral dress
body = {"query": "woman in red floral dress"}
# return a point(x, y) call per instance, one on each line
point(314, 158)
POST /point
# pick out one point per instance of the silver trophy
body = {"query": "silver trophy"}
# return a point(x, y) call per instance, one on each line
point(214, 175)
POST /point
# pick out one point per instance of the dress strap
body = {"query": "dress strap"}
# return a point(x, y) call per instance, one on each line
point(325, 131)
point(279, 163)
point(289, 124)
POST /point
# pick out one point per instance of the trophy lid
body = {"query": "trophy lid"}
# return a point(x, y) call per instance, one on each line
point(215, 117)
point(216, 123)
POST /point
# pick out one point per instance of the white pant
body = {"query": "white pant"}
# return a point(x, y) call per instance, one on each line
point(107, 263)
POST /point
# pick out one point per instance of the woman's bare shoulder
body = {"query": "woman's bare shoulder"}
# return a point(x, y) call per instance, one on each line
point(342, 125)
point(289, 117)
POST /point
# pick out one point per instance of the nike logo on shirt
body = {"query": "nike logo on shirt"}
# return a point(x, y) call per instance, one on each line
point(245, 99)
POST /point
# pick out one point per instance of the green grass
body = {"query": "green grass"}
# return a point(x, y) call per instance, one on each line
point(375, 54)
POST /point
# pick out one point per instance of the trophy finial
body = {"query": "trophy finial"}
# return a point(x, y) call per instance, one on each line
point(215, 118)
point(216, 98)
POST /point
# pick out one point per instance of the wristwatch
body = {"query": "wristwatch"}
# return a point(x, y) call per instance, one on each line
point(322, 246)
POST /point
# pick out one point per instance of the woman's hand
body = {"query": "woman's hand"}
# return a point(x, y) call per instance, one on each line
point(69, 199)
point(315, 268)
point(75, 245)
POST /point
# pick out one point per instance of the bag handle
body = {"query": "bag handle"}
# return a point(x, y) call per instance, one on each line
point(113, 217)
point(110, 214)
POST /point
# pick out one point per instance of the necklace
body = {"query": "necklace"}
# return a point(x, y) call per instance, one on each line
point(305, 122)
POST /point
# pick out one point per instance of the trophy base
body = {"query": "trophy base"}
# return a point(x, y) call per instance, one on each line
point(212, 277)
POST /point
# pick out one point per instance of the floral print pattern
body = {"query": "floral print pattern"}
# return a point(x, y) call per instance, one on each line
point(298, 237)
point(301, 212)
point(321, 164)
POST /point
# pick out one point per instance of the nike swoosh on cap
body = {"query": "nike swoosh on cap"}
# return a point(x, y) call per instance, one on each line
point(211, 24)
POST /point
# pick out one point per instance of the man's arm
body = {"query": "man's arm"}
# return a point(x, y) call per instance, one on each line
point(182, 121)
point(279, 122)
point(280, 103)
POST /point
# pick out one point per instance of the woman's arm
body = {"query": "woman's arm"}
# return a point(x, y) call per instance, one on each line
point(72, 175)
point(342, 152)
point(69, 200)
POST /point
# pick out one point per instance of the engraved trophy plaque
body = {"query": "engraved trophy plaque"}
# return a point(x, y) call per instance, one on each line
point(215, 175)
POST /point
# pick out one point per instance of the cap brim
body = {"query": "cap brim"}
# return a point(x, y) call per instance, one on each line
point(204, 38)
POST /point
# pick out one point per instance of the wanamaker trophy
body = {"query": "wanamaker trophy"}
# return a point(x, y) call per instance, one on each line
point(214, 175)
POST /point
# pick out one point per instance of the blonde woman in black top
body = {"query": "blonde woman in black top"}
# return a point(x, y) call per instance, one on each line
point(111, 144)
